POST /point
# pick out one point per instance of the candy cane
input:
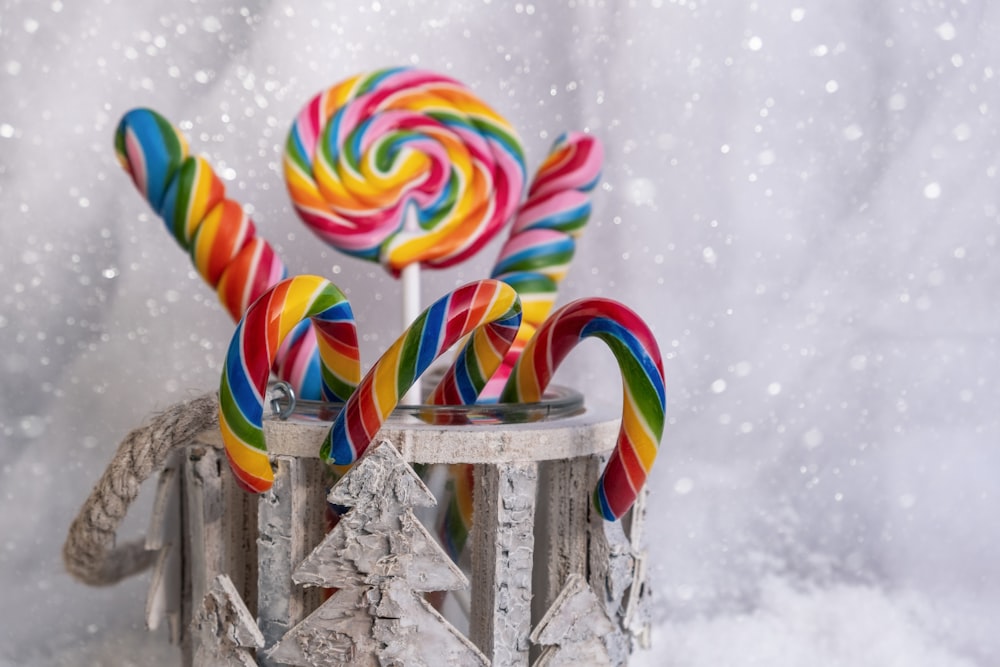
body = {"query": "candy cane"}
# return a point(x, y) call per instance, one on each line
point(644, 401)
point(216, 232)
point(488, 309)
point(267, 323)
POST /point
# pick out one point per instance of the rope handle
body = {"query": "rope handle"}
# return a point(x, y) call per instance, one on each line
point(90, 553)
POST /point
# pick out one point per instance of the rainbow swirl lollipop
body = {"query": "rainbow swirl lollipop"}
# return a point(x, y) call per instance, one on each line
point(374, 149)
point(644, 402)
point(254, 346)
point(216, 232)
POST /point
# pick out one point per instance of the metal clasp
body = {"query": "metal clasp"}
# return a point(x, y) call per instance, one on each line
point(282, 391)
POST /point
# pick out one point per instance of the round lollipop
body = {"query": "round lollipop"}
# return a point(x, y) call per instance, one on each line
point(374, 149)
point(221, 240)
point(488, 309)
point(254, 346)
point(642, 380)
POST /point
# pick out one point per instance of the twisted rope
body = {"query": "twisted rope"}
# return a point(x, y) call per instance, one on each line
point(90, 553)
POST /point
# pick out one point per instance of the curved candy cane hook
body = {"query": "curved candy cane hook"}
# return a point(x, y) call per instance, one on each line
point(267, 323)
point(644, 400)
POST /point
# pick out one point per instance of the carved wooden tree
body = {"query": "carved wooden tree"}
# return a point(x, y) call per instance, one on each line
point(574, 628)
point(224, 629)
point(380, 558)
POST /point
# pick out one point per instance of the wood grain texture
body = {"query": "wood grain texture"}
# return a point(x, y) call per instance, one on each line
point(225, 630)
point(419, 442)
point(290, 524)
point(380, 558)
point(563, 526)
point(575, 629)
point(164, 535)
point(502, 558)
point(202, 507)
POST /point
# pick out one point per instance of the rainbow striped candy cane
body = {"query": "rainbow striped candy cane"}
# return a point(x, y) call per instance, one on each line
point(488, 309)
point(214, 229)
point(255, 343)
point(644, 401)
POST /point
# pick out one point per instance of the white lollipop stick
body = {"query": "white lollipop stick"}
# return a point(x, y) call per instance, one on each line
point(410, 275)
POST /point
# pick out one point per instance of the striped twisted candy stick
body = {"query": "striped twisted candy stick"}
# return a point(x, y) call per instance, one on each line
point(221, 240)
point(267, 323)
point(364, 152)
point(644, 401)
point(542, 241)
point(488, 309)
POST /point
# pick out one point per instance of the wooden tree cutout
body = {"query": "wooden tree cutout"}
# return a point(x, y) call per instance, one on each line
point(574, 628)
point(224, 629)
point(381, 558)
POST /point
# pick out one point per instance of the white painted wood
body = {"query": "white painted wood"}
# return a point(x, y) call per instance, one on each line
point(367, 626)
point(382, 557)
point(218, 523)
point(163, 601)
point(382, 485)
point(164, 518)
point(163, 598)
point(502, 557)
point(412, 632)
point(636, 616)
point(637, 619)
point(612, 572)
point(563, 526)
point(338, 633)
point(290, 523)
point(379, 556)
point(612, 563)
point(361, 548)
point(419, 442)
point(203, 552)
point(618, 573)
point(574, 629)
point(240, 535)
point(225, 632)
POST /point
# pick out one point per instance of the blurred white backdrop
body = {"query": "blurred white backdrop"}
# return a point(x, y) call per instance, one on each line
point(799, 196)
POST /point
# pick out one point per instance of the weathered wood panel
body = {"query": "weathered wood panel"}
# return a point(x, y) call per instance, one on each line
point(290, 524)
point(502, 558)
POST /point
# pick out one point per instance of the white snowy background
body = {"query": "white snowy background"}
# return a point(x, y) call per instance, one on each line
point(801, 197)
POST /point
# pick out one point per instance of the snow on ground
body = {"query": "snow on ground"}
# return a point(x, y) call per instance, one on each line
point(834, 626)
